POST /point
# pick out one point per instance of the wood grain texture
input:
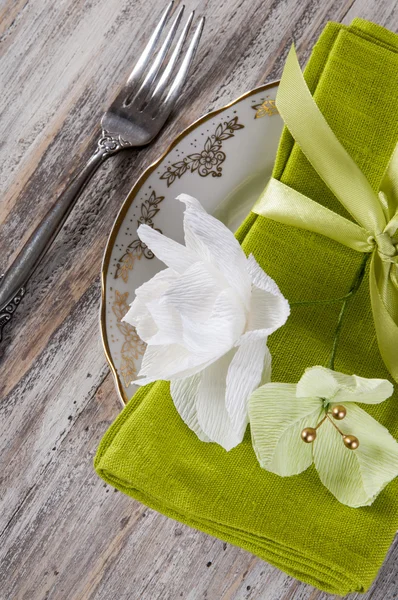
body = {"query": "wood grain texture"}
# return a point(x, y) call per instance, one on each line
point(65, 535)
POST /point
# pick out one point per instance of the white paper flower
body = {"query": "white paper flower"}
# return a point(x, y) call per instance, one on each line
point(206, 320)
point(280, 413)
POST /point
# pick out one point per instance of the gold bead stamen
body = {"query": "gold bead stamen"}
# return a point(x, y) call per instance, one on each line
point(339, 412)
point(308, 434)
point(351, 442)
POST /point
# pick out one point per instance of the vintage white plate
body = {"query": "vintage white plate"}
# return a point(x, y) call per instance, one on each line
point(224, 159)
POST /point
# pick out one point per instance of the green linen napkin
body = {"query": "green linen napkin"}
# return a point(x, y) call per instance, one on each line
point(293, 523)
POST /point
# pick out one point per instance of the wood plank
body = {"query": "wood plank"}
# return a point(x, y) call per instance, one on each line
point(63, 534)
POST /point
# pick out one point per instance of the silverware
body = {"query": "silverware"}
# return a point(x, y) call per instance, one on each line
point(134, 118)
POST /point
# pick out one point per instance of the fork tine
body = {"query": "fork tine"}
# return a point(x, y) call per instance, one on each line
point(143, 60)
point(164, 79)
point(179, 80)
point(142, 93)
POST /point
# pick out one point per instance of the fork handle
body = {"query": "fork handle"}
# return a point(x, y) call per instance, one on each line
point(13, 282)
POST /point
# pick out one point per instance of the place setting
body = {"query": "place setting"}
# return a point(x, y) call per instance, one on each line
point(249, 303)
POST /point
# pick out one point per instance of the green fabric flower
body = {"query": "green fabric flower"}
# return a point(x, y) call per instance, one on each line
point(282, 415)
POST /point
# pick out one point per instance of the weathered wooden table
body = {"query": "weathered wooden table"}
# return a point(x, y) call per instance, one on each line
point(63, 533)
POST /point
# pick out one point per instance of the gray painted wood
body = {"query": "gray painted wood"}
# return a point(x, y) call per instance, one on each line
point(63, 533)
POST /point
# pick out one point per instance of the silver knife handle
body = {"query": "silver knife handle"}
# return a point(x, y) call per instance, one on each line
point(13, 282)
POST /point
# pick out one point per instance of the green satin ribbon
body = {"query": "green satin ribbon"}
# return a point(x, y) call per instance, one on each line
point(375, 214)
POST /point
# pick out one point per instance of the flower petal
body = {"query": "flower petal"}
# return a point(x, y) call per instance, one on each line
point(210, 239)
point(244, 375)
point(184, 393)
point(191, 202)
point(218, 334)
point(317, 382)
point(260, 279)
point(139, 317)
point(356, 477)
point(155, 287)
point(267, 367)
point(137, 311)
point(168, 322)
point(267, 312)
point(324, 383)
point(338, 467)
point(171, 253)
point(362, 390)
point(169, 362)
point(378, 450)
point(145, 320)
point(194, 294)
point(146, 329)
point(277, 418)
point(212, 414)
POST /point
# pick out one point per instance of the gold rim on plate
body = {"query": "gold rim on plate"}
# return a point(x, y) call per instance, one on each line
point(125, 207)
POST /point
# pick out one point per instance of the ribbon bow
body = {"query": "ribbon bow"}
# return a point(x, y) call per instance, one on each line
point(375, 214)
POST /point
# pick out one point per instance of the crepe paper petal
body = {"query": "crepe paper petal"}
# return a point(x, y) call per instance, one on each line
point(171, 253)
point(180, 375)
point(356, 477)
point(218, 333)
point(169, 362)
point(269, 309)
point(191, 202)
point(210, 239)
point(260, 279)
point(317, 382)
point(168, 321)
point(338, 467)
point(139, 317)
point(212, 414)
point(156, 286)
point(267, 367)
point(184, 393)
point(267, 312)
point(195, 293)
point(137, 311)
point(244, 375)
point(330, 385)
point(378, 450)
point(277, 418)
point(146, 327)
point(364, 391)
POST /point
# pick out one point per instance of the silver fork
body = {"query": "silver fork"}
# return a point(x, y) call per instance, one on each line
point(134, 118)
